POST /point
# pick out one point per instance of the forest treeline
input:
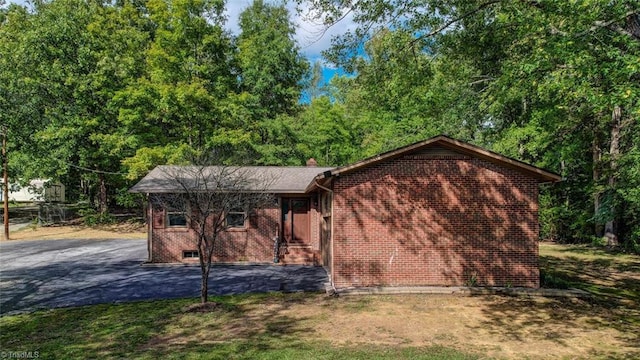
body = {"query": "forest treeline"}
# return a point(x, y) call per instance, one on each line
point(97, 93)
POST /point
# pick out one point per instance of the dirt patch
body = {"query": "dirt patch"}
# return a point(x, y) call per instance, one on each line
point(491, 325)
point(123, 230)
point(202, 308)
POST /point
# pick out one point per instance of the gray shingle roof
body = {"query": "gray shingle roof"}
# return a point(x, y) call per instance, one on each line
point(276, 179)
point(291, 179)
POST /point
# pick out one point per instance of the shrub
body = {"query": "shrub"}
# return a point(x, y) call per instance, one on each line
point(552, 281)
point(91, 217)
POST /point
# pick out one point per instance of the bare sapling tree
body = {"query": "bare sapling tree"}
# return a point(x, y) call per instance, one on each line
point(205, 196)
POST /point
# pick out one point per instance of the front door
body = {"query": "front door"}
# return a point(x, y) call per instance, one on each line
point(296, 221)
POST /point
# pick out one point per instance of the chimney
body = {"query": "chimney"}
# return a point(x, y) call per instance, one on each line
point(312, 162)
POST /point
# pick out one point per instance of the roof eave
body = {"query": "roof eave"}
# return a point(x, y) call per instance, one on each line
point(542, 175)
point(315, 185)
point(384, 156)
point(174, 191)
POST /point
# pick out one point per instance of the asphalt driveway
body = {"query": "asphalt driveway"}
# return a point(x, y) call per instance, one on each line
point(59, 273)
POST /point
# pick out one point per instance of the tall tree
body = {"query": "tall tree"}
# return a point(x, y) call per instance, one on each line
point(72, 56)
point(14, 109)
point(272, 67)
point(399, 93)
point(272, 71)
point(325, 134)
point(178, 101)
point(314, 88)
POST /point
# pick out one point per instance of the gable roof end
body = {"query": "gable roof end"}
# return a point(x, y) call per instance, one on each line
point(446, 142)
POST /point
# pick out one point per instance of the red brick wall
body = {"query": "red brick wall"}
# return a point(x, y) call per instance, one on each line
point(413, 221)
point(253, 244)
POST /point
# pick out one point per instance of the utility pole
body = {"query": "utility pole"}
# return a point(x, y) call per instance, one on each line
point(5, 184)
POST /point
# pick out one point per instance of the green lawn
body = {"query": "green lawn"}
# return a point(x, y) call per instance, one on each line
point(131, 330)
point(314, 326)
point(611, 277)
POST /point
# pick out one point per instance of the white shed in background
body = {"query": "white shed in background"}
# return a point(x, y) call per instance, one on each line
point(38, 190)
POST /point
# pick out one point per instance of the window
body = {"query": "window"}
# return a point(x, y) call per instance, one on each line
point(176, 219)
point(235, 218)
point(189, 254)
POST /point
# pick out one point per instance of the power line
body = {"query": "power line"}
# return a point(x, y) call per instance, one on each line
point(92, 170)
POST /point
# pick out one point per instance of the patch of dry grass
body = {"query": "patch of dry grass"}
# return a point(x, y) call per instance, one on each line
point(123, 230)
point(492, 326)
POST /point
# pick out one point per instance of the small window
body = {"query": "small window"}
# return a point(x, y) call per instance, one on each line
point(235, 218)
point(176, 219)
point(189, 254)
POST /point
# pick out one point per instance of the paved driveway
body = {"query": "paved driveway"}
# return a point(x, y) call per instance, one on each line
point(58, 273)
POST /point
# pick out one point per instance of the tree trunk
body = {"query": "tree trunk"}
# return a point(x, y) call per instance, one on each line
point(595, 152)
point(102, 199)
point(614, 153)
point(204, 284)
point(205, 267)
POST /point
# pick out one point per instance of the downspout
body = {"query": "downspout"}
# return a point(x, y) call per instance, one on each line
point(150, 217)
point(335, 292)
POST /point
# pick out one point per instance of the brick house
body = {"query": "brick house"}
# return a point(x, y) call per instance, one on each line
point(437, 212)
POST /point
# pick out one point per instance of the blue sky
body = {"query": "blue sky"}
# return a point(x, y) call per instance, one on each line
point(309, 33)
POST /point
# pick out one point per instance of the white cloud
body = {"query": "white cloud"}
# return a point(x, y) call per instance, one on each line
point(233, 8)
point(19, 2)
point(311, 35)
